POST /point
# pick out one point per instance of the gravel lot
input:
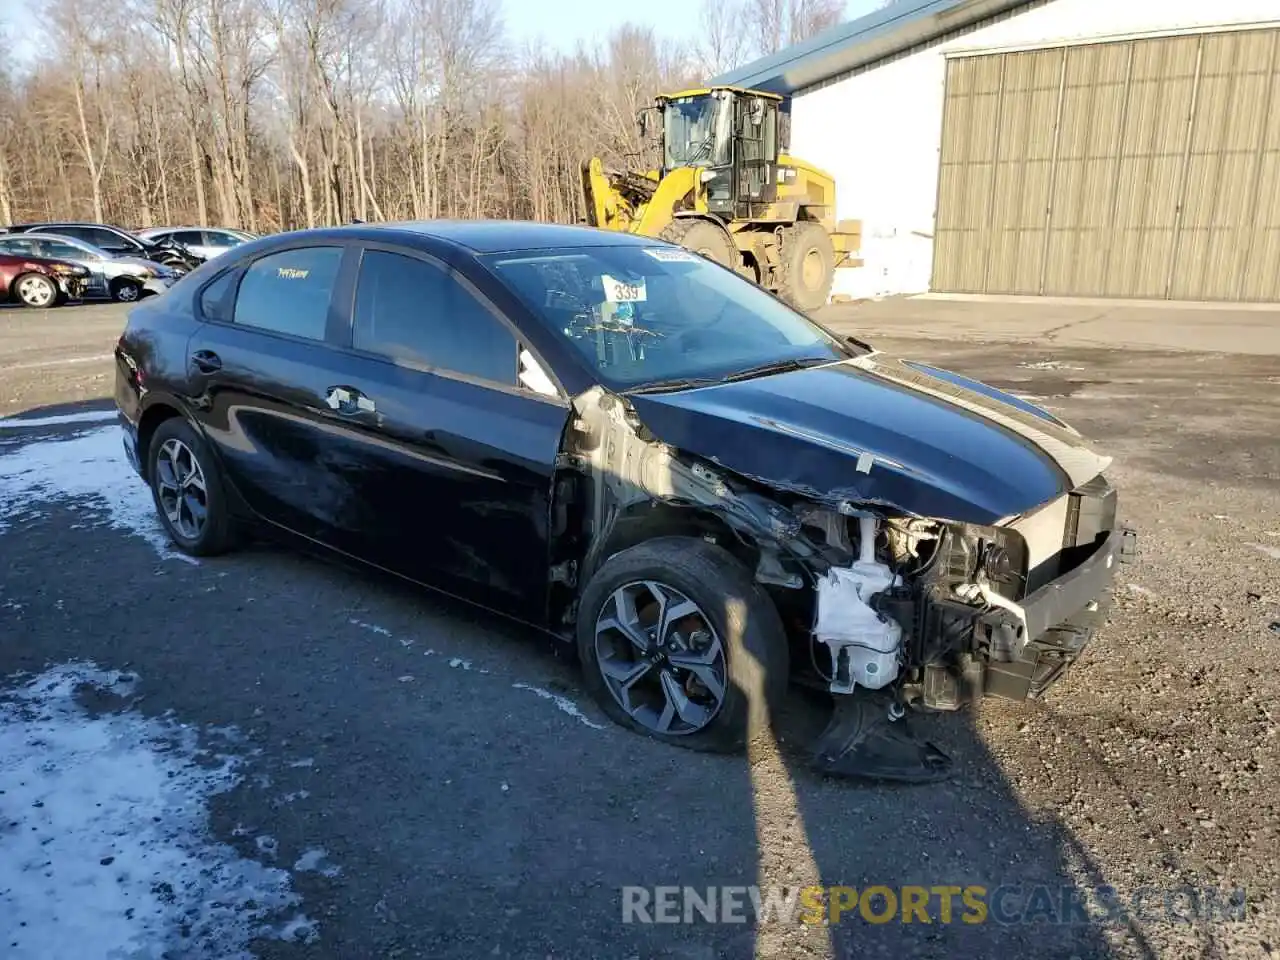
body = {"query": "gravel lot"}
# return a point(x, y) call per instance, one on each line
point(410, 778)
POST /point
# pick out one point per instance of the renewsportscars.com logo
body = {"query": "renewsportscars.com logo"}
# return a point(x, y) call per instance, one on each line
point(971, 904)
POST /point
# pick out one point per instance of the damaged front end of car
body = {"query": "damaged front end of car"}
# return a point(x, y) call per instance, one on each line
point(886, 608)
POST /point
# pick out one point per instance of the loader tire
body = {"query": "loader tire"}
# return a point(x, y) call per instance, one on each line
point(704, 238)
point(807, 267)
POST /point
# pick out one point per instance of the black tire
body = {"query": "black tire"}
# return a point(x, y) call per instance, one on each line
point(218, 533)
point(704, 238)
point(126, 290)
point(32, 280)
point(807, 268)
point(757, 660)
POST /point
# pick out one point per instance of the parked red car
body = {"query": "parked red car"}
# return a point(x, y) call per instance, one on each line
point(40, 281)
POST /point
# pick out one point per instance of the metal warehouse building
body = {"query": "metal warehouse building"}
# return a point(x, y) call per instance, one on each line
point(1110, 148)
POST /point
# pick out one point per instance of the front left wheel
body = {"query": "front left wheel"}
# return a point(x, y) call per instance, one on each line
point(678, 642)
point(188, 491)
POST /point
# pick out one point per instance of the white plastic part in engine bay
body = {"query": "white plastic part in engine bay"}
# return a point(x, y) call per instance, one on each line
point(863, 646)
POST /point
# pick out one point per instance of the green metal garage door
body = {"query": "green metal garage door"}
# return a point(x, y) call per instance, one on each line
point(1143, 168)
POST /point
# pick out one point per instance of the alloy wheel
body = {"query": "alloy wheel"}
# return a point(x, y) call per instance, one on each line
point(661, 658)
point(180, 488)
point(36, 290)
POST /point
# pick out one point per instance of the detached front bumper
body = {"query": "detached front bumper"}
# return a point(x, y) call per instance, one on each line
point(1058, 621)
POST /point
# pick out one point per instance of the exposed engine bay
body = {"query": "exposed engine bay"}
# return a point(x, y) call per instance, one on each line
point(886, 610)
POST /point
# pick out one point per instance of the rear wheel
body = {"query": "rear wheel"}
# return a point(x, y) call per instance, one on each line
point(188, 491)
point(35, 290)
point(679, 643)
point(807, 269)
point(704, 238)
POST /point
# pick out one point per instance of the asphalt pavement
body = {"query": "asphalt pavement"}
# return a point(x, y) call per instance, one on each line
point(356, 769)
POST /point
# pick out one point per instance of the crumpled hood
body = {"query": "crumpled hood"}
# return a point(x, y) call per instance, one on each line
point(929, 442)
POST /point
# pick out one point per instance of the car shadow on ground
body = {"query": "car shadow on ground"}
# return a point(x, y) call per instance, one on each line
point(695, 841)
point(469, 824)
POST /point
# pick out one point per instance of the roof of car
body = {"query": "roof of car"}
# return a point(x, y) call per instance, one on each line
point(46, 236)
point(493, 236)
point(65, 223)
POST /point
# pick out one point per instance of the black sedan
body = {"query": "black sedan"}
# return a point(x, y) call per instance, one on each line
point(640, 452)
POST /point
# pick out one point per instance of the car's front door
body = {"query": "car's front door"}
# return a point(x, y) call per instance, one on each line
point(258, 373)
point(459, 458)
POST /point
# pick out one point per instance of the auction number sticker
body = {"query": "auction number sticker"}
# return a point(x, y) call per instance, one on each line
point(672, 256)
point(622, 291)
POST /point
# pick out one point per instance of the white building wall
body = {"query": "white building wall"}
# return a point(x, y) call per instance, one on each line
point(879, 133)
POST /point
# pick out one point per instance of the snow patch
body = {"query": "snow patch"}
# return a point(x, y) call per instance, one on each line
point(1270, 551)
point(314, 861)
point(1143, 591)
point(91, 467)
point(371, 627)
point(458, 663)
point(108, 851)
point(564, 704)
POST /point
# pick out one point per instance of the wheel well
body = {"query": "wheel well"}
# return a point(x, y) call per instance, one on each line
point(154, 415)
point(640, 524)
point(662, 520)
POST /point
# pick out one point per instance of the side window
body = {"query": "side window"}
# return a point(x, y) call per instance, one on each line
point(289, 292)
point(106, 239)
point(191, 237)
point(214, 300)
point(407, 308)
point(59, 248)
point(21, 247)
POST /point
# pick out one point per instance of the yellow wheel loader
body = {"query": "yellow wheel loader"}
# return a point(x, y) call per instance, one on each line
point(728, 190)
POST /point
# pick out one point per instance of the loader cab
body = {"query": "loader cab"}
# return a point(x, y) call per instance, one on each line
point(735, 135)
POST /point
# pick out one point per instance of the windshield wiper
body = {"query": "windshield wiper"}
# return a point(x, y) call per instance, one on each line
point(676, 383)
point(774, 366)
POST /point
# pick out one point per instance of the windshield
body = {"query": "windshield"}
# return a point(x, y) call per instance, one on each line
point(693, 134)
point(644, 316)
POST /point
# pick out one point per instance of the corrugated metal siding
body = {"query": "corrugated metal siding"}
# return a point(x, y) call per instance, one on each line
point(1146, 168)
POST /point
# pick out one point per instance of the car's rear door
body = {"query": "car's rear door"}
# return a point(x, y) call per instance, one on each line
point(258, 371)
point(460, 458)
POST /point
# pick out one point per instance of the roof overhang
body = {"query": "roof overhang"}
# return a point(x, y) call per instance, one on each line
point(884, 33)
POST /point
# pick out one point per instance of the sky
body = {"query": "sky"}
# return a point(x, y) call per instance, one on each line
point(562, 23)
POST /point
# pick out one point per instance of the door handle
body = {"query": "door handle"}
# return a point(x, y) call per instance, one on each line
point(206, 361)
point(348, 400)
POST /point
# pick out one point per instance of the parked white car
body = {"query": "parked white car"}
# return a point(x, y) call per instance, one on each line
point(206, 242)
point(125, 279)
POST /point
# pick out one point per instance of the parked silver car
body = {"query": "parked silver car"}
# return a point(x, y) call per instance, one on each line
point(119, 278)
point(206, 242)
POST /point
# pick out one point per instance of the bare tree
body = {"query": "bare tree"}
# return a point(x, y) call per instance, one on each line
point(296, 113)
point(722, 44)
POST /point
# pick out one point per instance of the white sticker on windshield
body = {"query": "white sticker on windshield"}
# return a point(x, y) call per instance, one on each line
point(622, 291)
point(672, 256)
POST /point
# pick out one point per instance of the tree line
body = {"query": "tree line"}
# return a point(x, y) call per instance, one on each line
point(283, 114)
